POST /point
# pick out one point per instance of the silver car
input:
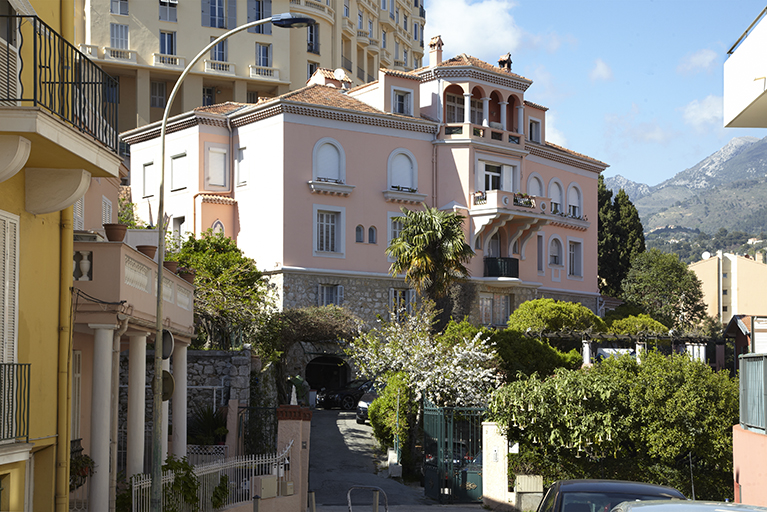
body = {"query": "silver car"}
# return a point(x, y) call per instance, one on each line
point(685, 506)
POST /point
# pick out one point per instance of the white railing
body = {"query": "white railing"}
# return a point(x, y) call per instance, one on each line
point(91, 50)
point(119, 54)
point(264, 72)
point(240, 473)
point(78, 498)
point(184, 298)
point(137, 274)
point(171, 61)
point(218, 66)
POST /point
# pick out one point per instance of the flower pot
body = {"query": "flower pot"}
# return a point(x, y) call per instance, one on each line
point(149, 250)
point(187, 274)
point(171, 265)
point(115, 232)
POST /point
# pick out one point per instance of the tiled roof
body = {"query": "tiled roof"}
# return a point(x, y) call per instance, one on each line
point(535, 105)
point(573, 153)
point(401, 74)
point(327, 97)
point(468, 60)
point(222, 108)
point(330, 74)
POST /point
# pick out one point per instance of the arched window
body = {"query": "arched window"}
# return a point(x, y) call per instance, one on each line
point(555, 252)
point(574, 201)
point(328, 161)
point(494, 247)
point(555, 192)
point(359, 234)
point(534, 186)
point(218, 227)
point(403, 171)
point(372, 235)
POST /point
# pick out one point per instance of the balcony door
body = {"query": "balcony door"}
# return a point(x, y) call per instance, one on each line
point(494, 247)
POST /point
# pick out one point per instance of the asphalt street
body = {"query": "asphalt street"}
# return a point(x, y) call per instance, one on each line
point(343, 455)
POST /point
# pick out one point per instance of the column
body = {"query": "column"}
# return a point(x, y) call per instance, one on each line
point(586, 352)
point(166, 367)
point(467, 107)
point(485, 111)
point(179, 400)
point(240, 91)
point(191, 93)
point(101, 390)
point(136, 405)
point(503, 105)
point(521, 119)
point(143, 94)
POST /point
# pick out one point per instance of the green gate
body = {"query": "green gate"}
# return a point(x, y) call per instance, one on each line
point(453, 453)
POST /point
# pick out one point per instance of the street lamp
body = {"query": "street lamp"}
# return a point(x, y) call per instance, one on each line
point(284, 20)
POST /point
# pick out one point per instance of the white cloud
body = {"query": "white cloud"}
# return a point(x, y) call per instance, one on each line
point(702, 114)
point(702, 60)
point(484, 29)
point(627, 130)
point(552, 134)
point(601, 71)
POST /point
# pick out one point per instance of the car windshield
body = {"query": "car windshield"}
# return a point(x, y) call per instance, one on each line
point(601, 501)
point(355, 384)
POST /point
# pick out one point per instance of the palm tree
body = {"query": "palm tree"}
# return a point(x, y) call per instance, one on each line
point(431, 250)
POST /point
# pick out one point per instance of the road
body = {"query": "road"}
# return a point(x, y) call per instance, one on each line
point(343, 454)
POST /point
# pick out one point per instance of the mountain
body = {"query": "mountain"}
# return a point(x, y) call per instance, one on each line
point(725, 190)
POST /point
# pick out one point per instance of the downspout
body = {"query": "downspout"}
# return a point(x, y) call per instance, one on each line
point(64, 377)
point(114, 402)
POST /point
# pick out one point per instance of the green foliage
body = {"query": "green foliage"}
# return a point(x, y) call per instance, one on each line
point(666, 289)
point(315, 324)
point(639, 324)
point(522, 356)
point(431, 250)
point(456, 332)
point(220, 493)
point(383, 412)
point(81, 467)
point(185, 484)
point(624, 420)
point(549, 315)
point(207, 425)
point(126, 214)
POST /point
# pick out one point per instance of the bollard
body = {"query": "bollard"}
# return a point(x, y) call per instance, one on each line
point(256, 502)
point(312, 503)
point(375, 501)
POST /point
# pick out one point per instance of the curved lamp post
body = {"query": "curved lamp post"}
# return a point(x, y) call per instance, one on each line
point(285, 20)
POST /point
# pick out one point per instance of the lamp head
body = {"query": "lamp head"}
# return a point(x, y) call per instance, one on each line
point(290, 20)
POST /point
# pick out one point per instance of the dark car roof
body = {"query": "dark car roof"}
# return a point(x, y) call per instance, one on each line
point(616, 486)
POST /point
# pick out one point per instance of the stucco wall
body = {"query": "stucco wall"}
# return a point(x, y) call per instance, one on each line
point(749, 453)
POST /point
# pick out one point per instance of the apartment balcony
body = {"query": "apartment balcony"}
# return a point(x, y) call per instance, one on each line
point(386, 56)
point(314, 9)
point(119, 55)
point(745, 85)
point(14, 402)
point(363, 37)
point(58, 79)
point(501, 267)
point(168, 61)
point(753, 407)
point(349, 27)
point(346, 63)
point(124, 278)
point(219, 67)
point(400, 65)
point(386, 19)
point(490, 134)
point(373, 45)
point(263, 72)
point(89, 50)
point(361, 74)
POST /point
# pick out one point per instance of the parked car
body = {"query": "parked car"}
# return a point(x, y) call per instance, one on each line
point(365, 400)
point(601, 495)
point(346, 397)
point(685, 506)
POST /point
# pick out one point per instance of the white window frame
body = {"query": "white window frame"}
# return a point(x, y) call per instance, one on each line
point(532, 178)
point(147, 178)
point(391, 232)
point(494, 308)
point(390, 168)
point(509, 174)
point(220, 52)
point(165, 37)
point(168, 11)
point(106, 210)
point(316, 171)
point(241, 178)
point(118, 7)
point(555, 184)
point(359, 20)
point(383, 38)
point(454, 108)
point(575, 210)
point(79, 214)
point(157, 94)
point(218, 20)
point(9, 295)
point(311, 68)
point(218, 149)
point(264, 55)
point(330, 294)
point(178, 172)
point(575, 262)
point(340, 241)
point(119, 36)
point(408, 96)
point(560, 263)
point(535, 129)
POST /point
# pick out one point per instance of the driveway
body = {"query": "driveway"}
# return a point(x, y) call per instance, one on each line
point(343, 455)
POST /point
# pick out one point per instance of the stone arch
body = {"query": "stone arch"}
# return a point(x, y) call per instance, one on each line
point(327, 371)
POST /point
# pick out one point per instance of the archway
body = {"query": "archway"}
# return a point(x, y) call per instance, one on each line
point(330, 372)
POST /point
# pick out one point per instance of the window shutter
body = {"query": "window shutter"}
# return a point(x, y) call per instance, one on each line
point(267, 5)
point(79, 214)
point(231, 14)
point(402, 171)
point(216, 167)
point(8, 288)
point(106, 211)
point(328, 162)
point(252, 15)
point(205, 13)
point(340, 294)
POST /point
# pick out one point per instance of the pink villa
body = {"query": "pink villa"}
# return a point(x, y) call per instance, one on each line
point(310, 185)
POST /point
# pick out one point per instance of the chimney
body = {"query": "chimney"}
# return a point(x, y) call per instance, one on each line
point(504, 62)
point(435, 51)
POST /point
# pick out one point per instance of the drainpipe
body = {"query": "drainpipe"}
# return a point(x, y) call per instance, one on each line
point(114, 402)
point(64, 398)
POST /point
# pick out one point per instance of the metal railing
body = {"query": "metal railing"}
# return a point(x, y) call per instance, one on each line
point(753, 406)
point(42, 69)
point(501, 267)
point(14, 401)
point(347, 63)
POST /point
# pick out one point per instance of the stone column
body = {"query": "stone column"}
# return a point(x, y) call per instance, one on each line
point(521, 119)
point(179, 400)
point(136, 405)
point(166, 367)
point(467, 107)
point(101, 390)
point(485, 111)
point(503, 105)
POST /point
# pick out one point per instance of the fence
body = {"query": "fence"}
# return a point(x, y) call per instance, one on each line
point(753, 407)
point(257, 430)
point(237, 473)
point(198, 454)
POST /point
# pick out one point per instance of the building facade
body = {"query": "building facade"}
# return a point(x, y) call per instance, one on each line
point(146, 45)
point(310, 185)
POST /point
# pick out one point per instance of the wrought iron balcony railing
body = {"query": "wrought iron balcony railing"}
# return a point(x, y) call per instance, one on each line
point(753, 407)
point(40, 68)
point(501, 267)
point(14, 401)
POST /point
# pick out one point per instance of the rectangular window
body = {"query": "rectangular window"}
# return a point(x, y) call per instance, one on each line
point(330, 294)
point(106, 211)
point(476, 111)
point(575, 259)
point(168, 10)
point(252, 97)
point(539, 248)
point(493, 308)
point(383, 4)
point(573, 210)
point(217, 13)
point(178, 172)
point(327, 231)
point(118, 36)
point(219, 52)
point(9, 257)
point(396, 229)
point(535, 130)
point(404, 22)
point(415, 31)
point(263, 55)
point(77, 372)
point(724, 292)
point(359, 21)
point(370, 28)
point(313, 39)
point(404, 57)
point(148, 180)
point(493, 175)
point(242, 169)
point(383, 38)
point(346, 8)
point(402, 103)
point(401, 301)
point(454, 108)
point(157, 97)
point(311, 67)
point(118, 7)
point(207, 96)
point(167, 43)
point(258, 10)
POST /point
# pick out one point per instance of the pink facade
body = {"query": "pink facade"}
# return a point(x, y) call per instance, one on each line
point(308, 185)
point(749, 451)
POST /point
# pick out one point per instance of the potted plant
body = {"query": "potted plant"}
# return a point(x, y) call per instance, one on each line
point(115, 232)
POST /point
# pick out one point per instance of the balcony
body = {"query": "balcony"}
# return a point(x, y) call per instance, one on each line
point(123, 278)
point(14, 402)
point(266, 73)
point(348, 27)
point(386, 56)
point(386, 19)
point(373, 45)
point(501, 267)
point(119, 54)
point(41, 69)
point(219, 67)
point(753, 408)
point(363, 37)
point(745, 84)
point(490, 134)
point(313, 8)
point(168, 61)
point(347, 64)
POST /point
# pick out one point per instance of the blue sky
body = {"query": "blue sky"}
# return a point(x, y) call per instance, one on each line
point(634, 83)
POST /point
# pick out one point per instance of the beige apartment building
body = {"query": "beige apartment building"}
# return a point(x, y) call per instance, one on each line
point(146, 44)
point(732, 285)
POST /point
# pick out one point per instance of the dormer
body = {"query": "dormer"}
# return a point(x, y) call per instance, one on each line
point(394, 92)
point(535, 125)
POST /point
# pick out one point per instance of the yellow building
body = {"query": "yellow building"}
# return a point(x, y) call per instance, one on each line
point(147, 45)
point(57, 131)
point(732, 284)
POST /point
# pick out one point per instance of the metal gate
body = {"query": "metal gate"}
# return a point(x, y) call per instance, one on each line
point(453, 453)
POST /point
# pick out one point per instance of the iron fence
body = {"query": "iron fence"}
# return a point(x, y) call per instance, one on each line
point(257, 430)
point(40, 68)
point(753, 406)
point(14, 401)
